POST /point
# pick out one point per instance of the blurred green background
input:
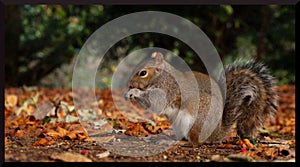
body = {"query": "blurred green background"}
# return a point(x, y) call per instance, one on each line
point(41, 41)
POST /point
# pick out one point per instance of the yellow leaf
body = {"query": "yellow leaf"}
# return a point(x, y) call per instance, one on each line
point(12, 100)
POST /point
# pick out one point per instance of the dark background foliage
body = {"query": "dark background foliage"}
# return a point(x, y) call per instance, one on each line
point(41, 41)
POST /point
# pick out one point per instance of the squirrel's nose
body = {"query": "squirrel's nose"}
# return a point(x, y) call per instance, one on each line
point(127, 96)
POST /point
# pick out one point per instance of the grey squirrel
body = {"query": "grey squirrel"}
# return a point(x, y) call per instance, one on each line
point(250, 98)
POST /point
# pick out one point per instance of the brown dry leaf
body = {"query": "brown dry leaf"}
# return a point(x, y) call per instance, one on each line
point(81, 136)
point(292, 143)
point(12, 100)
point(6, 142)
point(245, 143)
point(239, 142)
point(81, 128)
point(8, 111)
point(248, 143)
point(63, 132)
point(43, 142)
point(54, 134)
point(282, 124)
point(62, 114)
point(72, 136)
point(51, 142)
point(79, 132)
point(271, 153)
point(136, 129)
point(20, 134)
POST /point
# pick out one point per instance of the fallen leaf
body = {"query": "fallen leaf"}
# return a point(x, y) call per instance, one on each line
point(245, 143)
point(72, 135)
point(54, 134)
point(292, 143)
point(43, 142)
point(12, 100)
point(20, 134)
point(6, 142)
point(81, 136)
point(271, 153)
point(248, 143)
point(63, 132)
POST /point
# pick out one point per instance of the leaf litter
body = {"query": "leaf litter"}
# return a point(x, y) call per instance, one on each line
point(42, 125)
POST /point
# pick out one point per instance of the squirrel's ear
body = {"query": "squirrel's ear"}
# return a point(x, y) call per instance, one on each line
point(158, 60)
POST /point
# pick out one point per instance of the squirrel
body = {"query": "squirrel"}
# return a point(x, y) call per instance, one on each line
point(250, 98)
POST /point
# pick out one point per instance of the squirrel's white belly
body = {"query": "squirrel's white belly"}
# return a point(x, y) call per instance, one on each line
point(181, 121)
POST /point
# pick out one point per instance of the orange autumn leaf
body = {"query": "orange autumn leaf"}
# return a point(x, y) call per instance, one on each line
point(61, 114)
point(20, 134)
point(292, 143)
point(72, 135)
point(282, 124)
point(43, 142)
point(245, 143)
point(53, 134)
point(79, 133)
point(63, 132)
point(6, 142)
point(50, 142)
point(82, 136)
point(248, 143)
point(271, 152)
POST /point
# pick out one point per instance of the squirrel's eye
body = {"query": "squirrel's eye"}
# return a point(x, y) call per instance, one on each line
point(143, 73)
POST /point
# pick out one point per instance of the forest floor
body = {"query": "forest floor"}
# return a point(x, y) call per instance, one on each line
point(43, 125)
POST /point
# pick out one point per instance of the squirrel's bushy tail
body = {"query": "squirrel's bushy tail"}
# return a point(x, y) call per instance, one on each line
point(251, 96)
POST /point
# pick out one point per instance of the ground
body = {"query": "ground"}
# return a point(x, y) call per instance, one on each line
point(42, 125)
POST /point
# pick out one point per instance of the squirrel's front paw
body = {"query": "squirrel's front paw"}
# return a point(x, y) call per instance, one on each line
point(132, 93)
point(153, 99)
point(138, 96)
